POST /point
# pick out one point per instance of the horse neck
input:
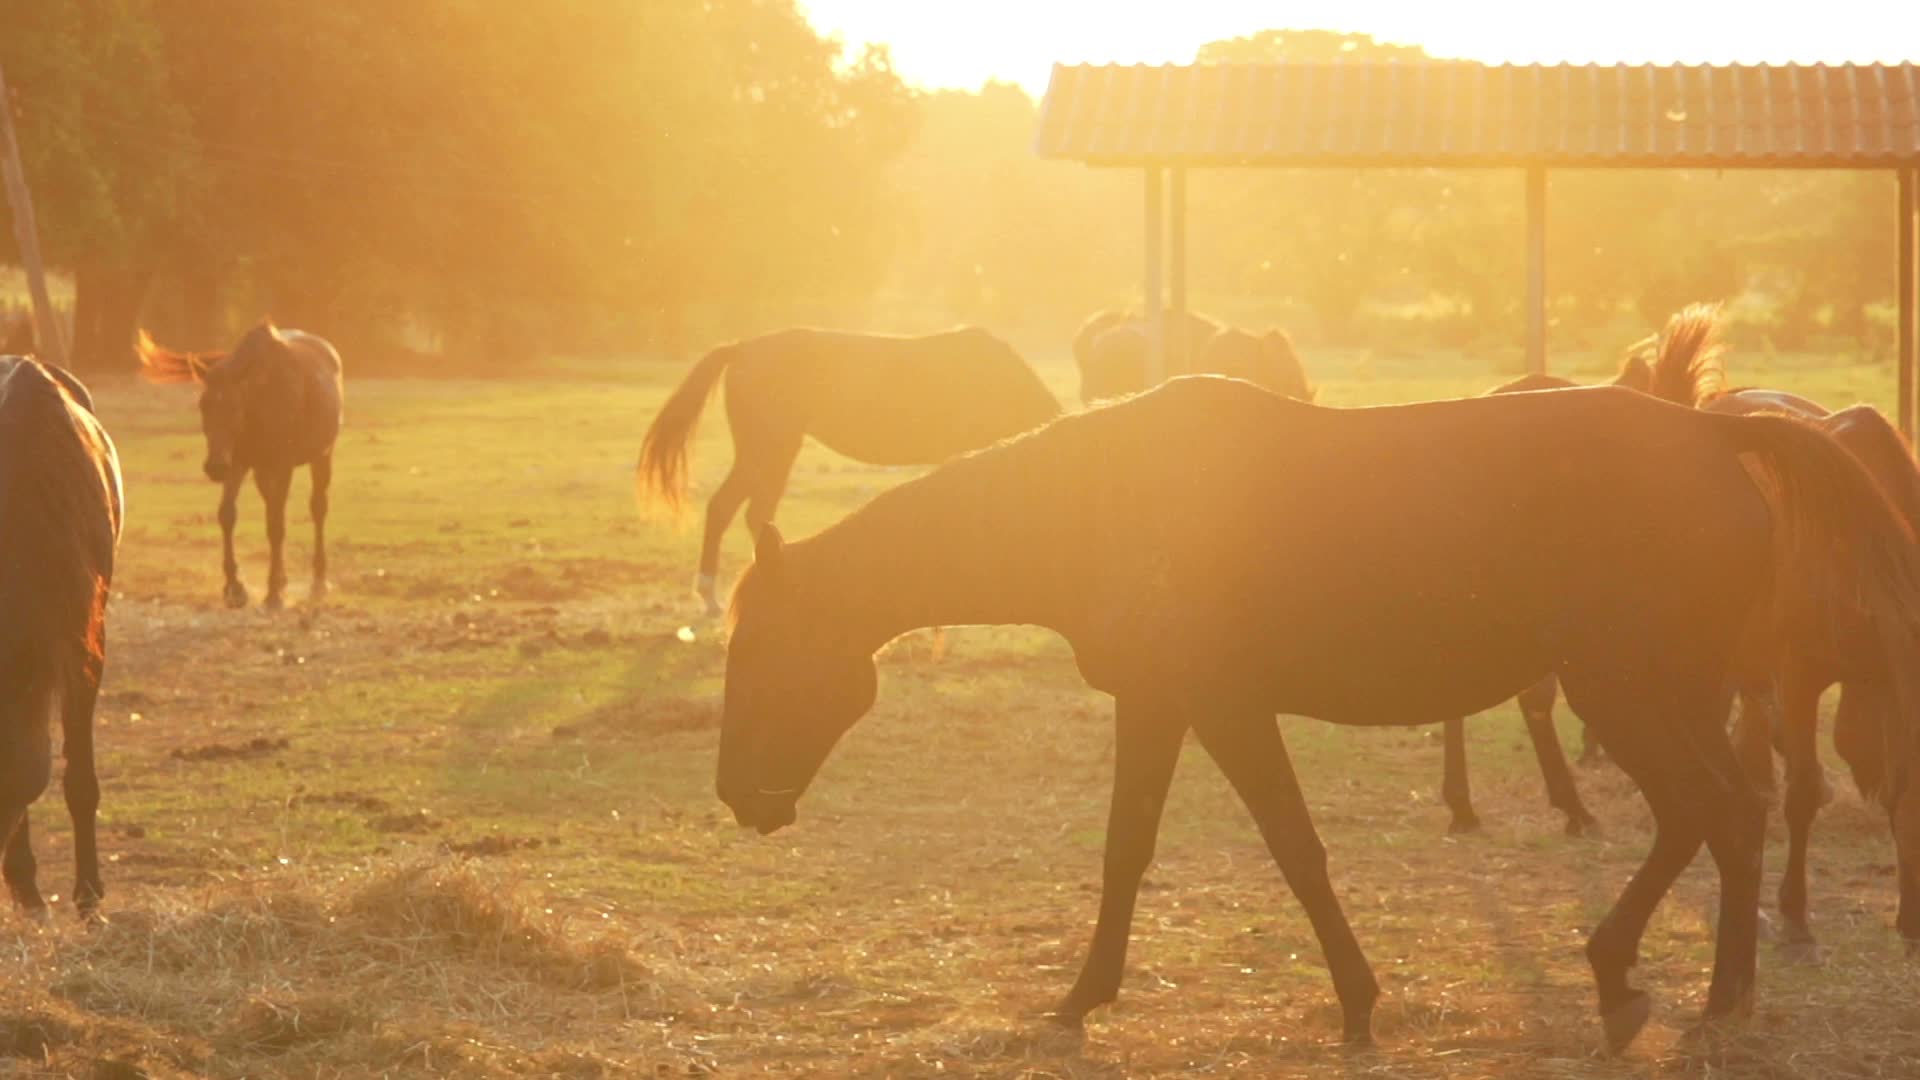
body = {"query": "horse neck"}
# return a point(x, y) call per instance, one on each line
point(947, 550)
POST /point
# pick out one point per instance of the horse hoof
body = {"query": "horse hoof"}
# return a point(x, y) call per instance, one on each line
point(1357, 1035)
point(274, 602)
point(235, 595)
point(1584, 825)
point(1624, 1021)
point(1467, 824)
point(318, 592)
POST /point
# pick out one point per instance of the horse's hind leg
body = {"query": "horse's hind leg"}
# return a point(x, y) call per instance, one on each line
point(81, 784)
point(26, 762)
point(1453, 778)
point(1761, 711)
point(721, 508)
point(274, 485)
point(1249, 750)
point(1800, 704)
point(234, 592)
point(1146, 748)
point(1536, 708)
point(322, 476)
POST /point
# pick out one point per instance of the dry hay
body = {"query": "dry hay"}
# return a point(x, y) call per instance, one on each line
point(434, 968)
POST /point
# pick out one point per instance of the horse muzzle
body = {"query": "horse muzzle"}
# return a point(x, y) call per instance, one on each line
point(764, 811)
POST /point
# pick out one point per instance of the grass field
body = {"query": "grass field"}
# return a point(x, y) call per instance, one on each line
point(459, 820)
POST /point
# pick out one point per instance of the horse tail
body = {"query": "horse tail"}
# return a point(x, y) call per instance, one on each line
point(162, 365)
point(662, 471)
point(1683, 364)
point(1846, 567)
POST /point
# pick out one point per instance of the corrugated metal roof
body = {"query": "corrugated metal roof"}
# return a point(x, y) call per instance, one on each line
point(1447, 112)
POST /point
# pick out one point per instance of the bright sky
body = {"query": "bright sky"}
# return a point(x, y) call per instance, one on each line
point(962, 43)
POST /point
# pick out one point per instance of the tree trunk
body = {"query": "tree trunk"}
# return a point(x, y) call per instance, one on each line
point(106, 313)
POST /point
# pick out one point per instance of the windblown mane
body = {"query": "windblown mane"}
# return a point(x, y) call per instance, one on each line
point(1684, 363)
point(163, 365)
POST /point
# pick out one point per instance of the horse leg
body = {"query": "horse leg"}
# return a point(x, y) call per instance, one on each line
point(1753, 730)
point(1736, 817)
point(768, 481)
point(721, 507)
point(1905, 818)
point(1453, 778)
point(234, 592)
point(1800, 721)
point(80, 783)
point(1250, 751)
point(1614, 946)
point(273, 485)
point(1146, 747)
point(322, 477)
point(1536, 708)
point(26, 763)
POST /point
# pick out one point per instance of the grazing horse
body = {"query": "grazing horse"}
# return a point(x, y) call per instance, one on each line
point(1678, 365)
point(1626, 544)
point(877, 398)
point(60, 506)
point(271, 405)
point(1110, 351)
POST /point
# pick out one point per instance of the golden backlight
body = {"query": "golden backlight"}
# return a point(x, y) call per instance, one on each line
point(962, 44)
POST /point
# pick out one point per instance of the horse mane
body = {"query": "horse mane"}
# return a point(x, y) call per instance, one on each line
point(1684, 363)
point(163, 365)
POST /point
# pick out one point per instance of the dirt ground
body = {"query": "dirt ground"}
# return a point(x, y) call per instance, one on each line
point(458, 820)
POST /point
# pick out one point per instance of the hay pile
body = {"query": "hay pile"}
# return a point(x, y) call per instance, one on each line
point(438, 969)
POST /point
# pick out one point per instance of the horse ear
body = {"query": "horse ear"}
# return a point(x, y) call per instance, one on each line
point(767, 546)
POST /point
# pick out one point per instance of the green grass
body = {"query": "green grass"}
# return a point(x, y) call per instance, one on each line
point(499, 664)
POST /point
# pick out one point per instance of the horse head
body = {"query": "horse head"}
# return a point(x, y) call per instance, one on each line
point(227, 381)
point(793, 687)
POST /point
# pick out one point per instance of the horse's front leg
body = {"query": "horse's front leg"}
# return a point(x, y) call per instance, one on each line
point(1248, 748)
point(322, 477)
point(235, 593)
point(1453, 777)
point(273, 485)
point(1146, 747)
point(1536, 708)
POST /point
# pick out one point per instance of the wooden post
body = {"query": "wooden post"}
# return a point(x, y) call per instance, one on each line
point(1536, 268)
point(1178, 353)
point(1156, 370)
point(52, 344)
point(1908, 299)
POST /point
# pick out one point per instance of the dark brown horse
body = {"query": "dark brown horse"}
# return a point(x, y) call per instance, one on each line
point(1788, 690)
point(270, 406)
point(877, 398)
point(1264, 568)
point(1678, 365)
point(59, 522)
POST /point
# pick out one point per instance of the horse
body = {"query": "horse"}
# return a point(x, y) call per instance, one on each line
point(877, 398)
point(1674, 365)
point(1110, 350)
point(1268, 360)
point(60, 512)
point(1779, 702)
point(271, 405)
point(1263, 569)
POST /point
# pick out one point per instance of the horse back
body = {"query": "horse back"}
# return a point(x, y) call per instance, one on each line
point(888, 399)
point(300, 406)
point(1469, 546)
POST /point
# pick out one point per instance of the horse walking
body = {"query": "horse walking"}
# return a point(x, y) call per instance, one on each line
point(1677, 365)
point(1262, 569)
point(270, 406)
point(60, 509)
point(877, 398)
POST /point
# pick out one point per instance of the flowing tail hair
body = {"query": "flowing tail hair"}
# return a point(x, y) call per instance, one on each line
point(662, 472)
point(1683, 363)
point(163, 365)
point(1846, 567)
